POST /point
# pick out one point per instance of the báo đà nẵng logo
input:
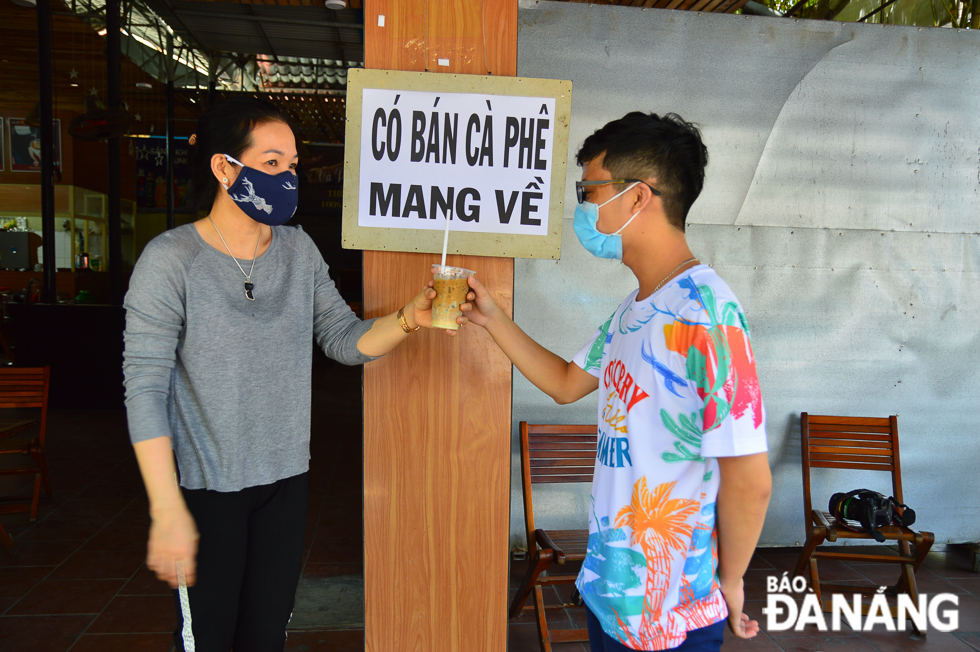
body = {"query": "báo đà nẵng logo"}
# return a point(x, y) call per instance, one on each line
point(783, 613)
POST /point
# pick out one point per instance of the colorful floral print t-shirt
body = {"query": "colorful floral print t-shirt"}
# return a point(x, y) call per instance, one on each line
point(677, 389)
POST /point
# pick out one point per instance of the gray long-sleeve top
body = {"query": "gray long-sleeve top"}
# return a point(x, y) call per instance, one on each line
point(228, 379)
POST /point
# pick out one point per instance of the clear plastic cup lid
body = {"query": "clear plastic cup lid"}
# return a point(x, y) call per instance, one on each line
point(449, 270)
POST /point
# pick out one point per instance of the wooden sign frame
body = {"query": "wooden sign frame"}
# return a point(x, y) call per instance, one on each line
point(356, 236)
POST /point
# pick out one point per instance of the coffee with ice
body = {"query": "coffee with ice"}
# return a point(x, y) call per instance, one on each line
point(451, 289)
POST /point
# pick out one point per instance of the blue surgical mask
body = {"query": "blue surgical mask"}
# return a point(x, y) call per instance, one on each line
point(266, 198)
point(597, 243)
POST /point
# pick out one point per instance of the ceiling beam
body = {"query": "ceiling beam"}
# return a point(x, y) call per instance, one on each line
point(265, 35)
point(198, 13)
point(165, 11)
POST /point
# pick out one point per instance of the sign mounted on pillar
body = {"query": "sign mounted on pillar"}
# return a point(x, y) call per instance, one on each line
point(487, 152)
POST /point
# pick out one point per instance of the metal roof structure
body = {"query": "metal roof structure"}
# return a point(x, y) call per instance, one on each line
point(295, 53)
point(310, 32)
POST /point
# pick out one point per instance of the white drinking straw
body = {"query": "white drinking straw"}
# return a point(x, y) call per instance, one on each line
point(445, 237)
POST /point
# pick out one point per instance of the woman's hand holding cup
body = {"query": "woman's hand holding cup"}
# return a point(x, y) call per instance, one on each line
point(425, 305)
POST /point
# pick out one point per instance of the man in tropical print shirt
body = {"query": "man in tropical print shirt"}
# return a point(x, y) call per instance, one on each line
point(682, 479)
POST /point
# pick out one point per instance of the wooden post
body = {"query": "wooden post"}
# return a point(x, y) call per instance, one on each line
point(437, 411)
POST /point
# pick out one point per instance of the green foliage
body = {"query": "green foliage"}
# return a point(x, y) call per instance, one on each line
point(964, 14)
point(782, 6)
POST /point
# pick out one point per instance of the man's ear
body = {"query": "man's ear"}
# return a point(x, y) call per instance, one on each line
point(643, 198)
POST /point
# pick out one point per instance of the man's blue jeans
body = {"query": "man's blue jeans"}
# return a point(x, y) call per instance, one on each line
point(706, 639)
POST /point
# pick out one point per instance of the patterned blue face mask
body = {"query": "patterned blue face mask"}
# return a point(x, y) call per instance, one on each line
point(266, 198)
point(597, 243)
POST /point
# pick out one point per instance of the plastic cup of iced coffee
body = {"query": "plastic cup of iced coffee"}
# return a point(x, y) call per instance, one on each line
point(451, 288)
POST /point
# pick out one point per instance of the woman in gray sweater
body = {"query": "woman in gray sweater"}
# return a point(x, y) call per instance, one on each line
point(220, 316)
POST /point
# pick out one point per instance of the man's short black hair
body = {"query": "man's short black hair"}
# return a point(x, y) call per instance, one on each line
point(647, 146)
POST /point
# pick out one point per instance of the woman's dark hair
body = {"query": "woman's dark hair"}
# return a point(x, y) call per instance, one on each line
point(648, 146)
point(225, 128)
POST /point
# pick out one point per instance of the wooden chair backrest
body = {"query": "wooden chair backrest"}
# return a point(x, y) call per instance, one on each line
point(833, 442)
point(25, 387)
point(555, 454)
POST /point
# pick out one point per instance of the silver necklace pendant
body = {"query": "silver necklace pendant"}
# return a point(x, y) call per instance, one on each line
point(247, 275)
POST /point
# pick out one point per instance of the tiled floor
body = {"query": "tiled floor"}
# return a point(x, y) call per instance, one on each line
point(79, 582)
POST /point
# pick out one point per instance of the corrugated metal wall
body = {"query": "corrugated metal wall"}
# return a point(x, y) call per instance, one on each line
point(841, 205)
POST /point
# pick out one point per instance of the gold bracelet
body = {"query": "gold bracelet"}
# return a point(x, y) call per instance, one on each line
point(404, 323)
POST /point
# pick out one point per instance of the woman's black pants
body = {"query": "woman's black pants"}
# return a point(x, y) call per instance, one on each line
point(248, 566)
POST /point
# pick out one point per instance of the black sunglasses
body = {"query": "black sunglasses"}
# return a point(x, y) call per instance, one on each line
point(580, 186)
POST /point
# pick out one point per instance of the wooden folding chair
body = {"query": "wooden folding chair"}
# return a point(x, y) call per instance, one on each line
point(552, 454)
point(869, 444)
point(22, 389)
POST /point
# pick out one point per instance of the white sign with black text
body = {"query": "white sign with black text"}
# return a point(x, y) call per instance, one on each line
point(486, 160)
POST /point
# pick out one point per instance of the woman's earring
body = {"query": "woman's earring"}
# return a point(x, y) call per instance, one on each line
point(224, 183)
point(225, 180)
